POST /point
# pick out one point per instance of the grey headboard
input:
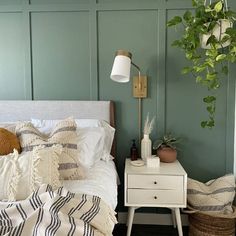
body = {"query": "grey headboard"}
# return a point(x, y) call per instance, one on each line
point(25, 110)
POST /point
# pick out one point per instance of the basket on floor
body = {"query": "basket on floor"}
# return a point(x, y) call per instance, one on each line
point(201, 224)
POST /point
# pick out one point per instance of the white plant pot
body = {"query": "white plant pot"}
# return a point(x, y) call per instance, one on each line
point(218, 31)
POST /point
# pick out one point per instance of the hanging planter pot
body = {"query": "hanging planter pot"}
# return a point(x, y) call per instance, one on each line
point(219, 31)
point(210, 27)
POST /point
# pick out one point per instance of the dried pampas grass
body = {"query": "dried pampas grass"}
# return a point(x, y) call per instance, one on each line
point(148, 126)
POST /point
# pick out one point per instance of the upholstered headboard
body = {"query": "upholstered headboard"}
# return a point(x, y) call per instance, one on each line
point(25, 110)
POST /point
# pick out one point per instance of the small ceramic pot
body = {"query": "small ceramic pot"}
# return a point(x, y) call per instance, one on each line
point(167, 154)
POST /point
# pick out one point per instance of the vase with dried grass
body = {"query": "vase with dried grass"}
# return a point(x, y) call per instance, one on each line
point(146, 143)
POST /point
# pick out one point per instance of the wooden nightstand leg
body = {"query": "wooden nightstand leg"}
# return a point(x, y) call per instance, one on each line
point(178, 220)
point(130, 220)
point(173, 217)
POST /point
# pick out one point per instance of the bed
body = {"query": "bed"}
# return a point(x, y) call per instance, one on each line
point(74, 207)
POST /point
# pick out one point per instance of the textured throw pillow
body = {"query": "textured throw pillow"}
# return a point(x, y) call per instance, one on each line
point(21, 174)
point(108, 132)
point(63, 133)
point(8, 142)
point(215, 196)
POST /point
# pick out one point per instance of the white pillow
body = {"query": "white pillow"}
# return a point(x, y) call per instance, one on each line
point(45, 126)
point(21, 174)
point(108, 140)
point(90, 145)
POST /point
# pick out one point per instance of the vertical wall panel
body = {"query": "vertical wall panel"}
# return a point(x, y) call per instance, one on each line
point(135, 31)
point(60, 54)
point(12, 81)
point(203, 150)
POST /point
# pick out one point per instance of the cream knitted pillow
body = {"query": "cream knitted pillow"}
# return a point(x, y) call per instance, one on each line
point(64, 133)
point(215, 196)
point(21, 174)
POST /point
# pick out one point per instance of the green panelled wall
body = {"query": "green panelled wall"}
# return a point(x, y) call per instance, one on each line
point(64, 49)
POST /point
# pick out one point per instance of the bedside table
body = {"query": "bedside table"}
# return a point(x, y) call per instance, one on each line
point(165, 186)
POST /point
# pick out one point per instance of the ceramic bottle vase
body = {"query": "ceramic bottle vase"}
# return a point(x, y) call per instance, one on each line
point(146, 147)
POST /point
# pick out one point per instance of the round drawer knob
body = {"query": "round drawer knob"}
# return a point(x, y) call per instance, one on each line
point(155, 182)
point(155, 197)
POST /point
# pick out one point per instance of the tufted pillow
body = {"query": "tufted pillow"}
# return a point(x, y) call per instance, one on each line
point(215, 196)
point(8, 142)
point(63, 133)
point(21, 174)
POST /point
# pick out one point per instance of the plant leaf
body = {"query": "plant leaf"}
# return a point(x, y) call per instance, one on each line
point(203, 124)
point(212, 40)
point(211, 123)
point(209, 99)
point(220, 57)
point(231, 32)
point(187, 16)
point(176, 43)
point(211, 76)
point(199, 68)
point(176, 20)
point(186, 70)
point(194, 3)
point(198, 79)
point(211, 109)
point(218, 7)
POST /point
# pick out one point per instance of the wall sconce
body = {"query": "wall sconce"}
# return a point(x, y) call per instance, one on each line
point(121, 73)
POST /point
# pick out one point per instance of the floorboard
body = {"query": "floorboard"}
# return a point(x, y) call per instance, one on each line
point(148, 230)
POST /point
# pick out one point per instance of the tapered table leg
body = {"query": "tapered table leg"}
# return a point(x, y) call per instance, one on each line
point(178, 221)
point(130, 220)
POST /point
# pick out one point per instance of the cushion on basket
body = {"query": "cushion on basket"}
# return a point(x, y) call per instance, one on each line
point(215, 196)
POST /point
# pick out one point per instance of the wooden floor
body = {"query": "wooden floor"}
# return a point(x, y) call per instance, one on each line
point(148, 230)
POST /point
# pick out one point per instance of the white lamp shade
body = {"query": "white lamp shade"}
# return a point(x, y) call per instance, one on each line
point(121, 69)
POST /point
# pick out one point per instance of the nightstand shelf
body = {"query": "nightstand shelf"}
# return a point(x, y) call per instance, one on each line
point(155, 187)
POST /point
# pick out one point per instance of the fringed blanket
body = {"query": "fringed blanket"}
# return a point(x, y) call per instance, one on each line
point(47, 212)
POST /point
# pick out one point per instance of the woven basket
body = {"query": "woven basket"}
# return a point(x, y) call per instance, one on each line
point(201, 224)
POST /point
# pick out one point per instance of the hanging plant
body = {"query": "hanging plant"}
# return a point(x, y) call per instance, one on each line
point(209, 43)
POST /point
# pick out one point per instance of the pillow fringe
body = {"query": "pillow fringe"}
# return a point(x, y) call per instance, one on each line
point(37, 159)
point(36, 178)
point(14, 180)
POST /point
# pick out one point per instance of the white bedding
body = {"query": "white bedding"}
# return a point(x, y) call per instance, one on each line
point(101, 181)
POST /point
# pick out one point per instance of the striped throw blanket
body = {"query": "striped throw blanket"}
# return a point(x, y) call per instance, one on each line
point(47, 212)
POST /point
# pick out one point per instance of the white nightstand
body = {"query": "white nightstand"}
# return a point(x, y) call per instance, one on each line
point(152, 187)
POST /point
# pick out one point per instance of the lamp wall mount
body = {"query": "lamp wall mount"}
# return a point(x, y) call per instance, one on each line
point(140, 86)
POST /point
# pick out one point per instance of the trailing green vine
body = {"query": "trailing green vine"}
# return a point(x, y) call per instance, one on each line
point(208, 66)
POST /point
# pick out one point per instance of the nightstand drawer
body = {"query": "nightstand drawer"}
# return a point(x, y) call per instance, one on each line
point(155, 182)
point(141, 196)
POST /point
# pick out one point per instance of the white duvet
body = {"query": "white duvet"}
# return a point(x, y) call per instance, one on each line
point(101, 181)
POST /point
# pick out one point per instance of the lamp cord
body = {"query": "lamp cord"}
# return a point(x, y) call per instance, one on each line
point(140, 119)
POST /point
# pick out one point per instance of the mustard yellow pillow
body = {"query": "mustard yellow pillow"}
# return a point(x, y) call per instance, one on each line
point(8, 142)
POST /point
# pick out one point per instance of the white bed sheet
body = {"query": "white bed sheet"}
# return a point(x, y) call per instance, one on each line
point(101, 181)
